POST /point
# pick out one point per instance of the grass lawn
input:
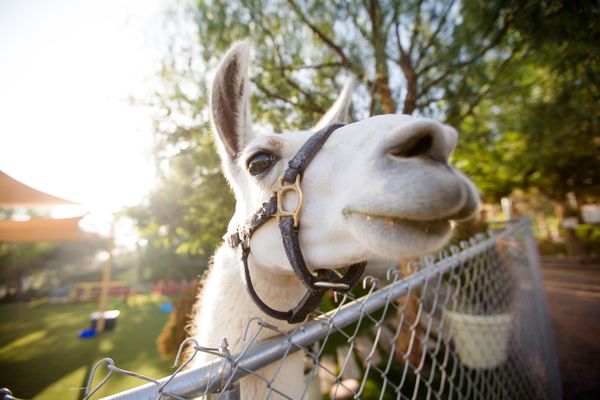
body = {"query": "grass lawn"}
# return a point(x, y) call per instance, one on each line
point(41, 356)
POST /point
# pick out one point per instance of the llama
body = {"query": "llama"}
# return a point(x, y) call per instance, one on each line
point(380, 187)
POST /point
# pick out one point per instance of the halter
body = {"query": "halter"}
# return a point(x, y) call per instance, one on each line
point(289, 226)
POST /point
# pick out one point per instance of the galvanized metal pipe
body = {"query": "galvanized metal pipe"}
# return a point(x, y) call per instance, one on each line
point(207, 378)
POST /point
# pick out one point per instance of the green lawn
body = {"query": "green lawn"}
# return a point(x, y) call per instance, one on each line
point(41, 356)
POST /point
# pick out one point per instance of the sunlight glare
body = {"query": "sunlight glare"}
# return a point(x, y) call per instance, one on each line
point(67, 125)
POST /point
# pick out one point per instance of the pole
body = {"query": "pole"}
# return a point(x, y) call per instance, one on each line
point(105, 288)
point(547, 336)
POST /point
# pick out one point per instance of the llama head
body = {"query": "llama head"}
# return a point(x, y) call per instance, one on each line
point(380, 187)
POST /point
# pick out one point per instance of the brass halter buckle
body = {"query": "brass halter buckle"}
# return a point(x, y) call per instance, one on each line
point(280, 193)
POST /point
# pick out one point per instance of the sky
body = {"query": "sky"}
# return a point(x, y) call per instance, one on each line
point(67, 71)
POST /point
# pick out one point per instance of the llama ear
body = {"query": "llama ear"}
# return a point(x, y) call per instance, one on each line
point(340, 110)
point(230, 101)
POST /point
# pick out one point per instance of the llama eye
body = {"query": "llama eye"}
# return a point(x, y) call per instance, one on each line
point(260, 163)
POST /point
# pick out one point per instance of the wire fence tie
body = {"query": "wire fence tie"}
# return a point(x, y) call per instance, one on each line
point(89, 393)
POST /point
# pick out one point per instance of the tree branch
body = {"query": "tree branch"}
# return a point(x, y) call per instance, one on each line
point(381, 95)
point(475, 102)
point(481, 94)
point(354, 18)
point(426, 103)
point(451, 68)
point(492, 43)
point(314, 66)
point(396, 24)
point(311, 99)
point(436, 32)
point(405, 63)
point(284, 69)
point(269, 93)
point(325, 39)
point(416, 27)
point(284, 73)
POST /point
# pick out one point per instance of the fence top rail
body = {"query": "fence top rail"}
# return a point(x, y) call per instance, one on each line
point(226, 368)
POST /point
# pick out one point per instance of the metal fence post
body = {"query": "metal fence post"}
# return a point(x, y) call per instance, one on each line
point(232, 390)
point(543, 317)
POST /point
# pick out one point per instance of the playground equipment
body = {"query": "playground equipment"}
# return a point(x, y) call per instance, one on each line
point(91, 291)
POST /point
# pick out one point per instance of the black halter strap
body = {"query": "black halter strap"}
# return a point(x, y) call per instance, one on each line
point(289, 227)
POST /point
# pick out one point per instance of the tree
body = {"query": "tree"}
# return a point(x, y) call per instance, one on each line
point(563, 123)
point(187, 212)
point(540, 129)
point(518, 78)
point(406, 57)
point(20, 260)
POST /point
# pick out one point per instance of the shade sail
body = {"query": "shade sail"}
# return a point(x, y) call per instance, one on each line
point(43, 230)
point(15, 193)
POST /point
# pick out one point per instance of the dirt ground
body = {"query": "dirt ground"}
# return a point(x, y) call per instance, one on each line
point(573, 296)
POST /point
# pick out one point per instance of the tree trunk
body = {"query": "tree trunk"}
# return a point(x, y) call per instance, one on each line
point(542, 222)
point(409, 344)
point(574, 245)
point(19, 285)
point(382, 101)
point(410, 102)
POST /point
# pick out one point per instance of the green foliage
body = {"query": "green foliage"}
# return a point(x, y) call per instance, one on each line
point(467, 230)
point(187, 212)
point(539, 125)
point(26, 257)
point(20, 260)
point(405, 56)
point(549, 247)
point(518, 78)
point(47, 265)
point(589, 235)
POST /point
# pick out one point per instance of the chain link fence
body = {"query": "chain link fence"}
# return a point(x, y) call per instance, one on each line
point(470, 323)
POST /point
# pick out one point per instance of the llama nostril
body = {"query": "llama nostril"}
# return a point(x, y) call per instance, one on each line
point(414, 147)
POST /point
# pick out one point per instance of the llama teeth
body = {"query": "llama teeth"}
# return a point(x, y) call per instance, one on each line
point(389, 222)
point(368, 217)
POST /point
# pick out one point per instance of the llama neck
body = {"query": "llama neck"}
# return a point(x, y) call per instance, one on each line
point(224, 305)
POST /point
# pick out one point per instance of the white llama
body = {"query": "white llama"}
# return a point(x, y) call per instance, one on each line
point(378, 188)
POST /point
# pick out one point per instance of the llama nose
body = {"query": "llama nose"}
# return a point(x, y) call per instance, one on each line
point(424, 139)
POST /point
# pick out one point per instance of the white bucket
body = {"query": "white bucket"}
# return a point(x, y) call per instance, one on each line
point(481, 341)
